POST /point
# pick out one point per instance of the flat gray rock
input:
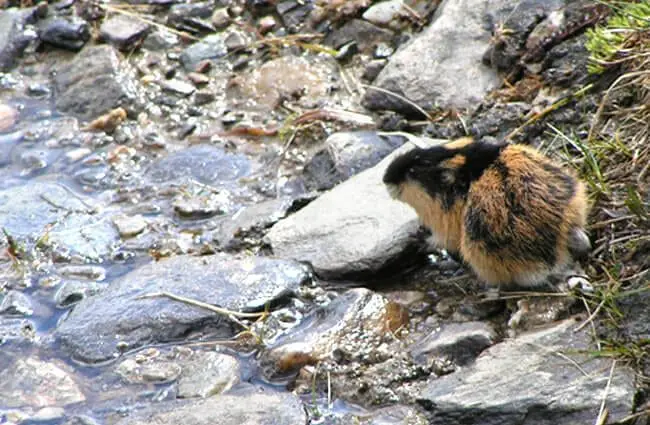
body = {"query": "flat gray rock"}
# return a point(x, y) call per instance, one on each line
point(204, 163)
point(247, 406)
point(123, 31)
point(525, 381)
point(354, 230)
point(13, 39)
point(442, 65)
point(96, 325)
point(458, 342)
point(94, 82)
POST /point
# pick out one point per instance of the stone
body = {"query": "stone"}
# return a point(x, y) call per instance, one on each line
point(365, 34)
point(460, 343)
point(124, 32)
point(285, 77)
point(525, 381)
point(451, 75)
point(249, 224)
point(31, 382)
point(211, 47)
point(249, 405)
point(91, 237)
point(220, 18)
point(46, 202)
point(178, 87)
point(344, 239)
point(134, 371)
point(16, 329)
point(15, 303)
point(13, 37)
point(93, 83)
point(204, 163)
point(383, 13)
point(345, 155)
point(66, 33)
point(73, 291)
point(208, 373)
point(353, 326)
point(129, 226)
point(100, 325)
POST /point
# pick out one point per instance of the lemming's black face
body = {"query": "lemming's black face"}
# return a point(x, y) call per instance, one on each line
point(440, 170)
point(419, 165)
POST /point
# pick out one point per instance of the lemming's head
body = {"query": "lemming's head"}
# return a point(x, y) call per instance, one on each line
point(443, 172)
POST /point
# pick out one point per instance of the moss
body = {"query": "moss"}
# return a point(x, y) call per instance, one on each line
point(625, 35)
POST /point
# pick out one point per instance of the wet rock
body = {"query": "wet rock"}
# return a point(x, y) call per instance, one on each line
point(294, 14)
point(203, 97)
point(201, 206)
point(535, 385)
point(141, 372)
point(211, 47)
point(129, 226)
point(365, 34)
point(88, 236)
point(447, 76)
point(287, 77)
point(235, 41)
point(46, 202)
point(15, 303)
point(248, 405)
point(48, 414)
point(266, 24)
point(207, 374)
point(124, 32)
point(350, 328)
point(340, 238)
point(347, 154)
point(373, 68)
point(204, 163)
point(16, 329)
point(31, 382)
point(73, 291)
point(93, 83)
point(99, 325)
point(247, 226)
point(13, 37)
point(66, 33)
point(160, 40)
point(383, 13)
point(193, 17)
point(391, 415)
point(460, 343)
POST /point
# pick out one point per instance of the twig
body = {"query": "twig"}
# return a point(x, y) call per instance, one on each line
point(148, 21)
point(201, 304)
point(593, 327)
point(591, 317)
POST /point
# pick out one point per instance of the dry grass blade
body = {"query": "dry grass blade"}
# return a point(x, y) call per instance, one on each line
point(201, 304)
point(402, 98)
point(122, 11)
point(603, 413)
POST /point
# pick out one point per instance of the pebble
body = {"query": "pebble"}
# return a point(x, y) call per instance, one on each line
point(385, 12)
point(83, 272)
point(69, 34)
point(129, 226)
point(220, 18)
point(178, 87)
point(124, 32)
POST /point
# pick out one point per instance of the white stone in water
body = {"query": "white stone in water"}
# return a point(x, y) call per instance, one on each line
point(129, 226)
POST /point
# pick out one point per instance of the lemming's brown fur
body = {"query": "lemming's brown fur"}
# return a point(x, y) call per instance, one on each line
point(510, 221)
